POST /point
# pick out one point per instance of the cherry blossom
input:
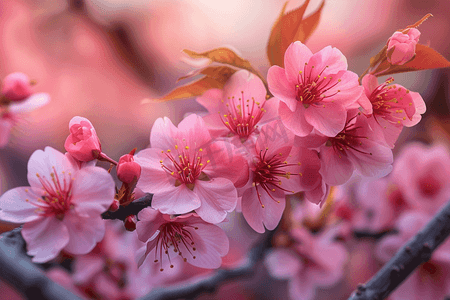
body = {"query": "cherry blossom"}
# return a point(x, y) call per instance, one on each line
point(392, 107)
point(431, 280)
point(16, 87)
point(186, 170)
point(239, 107)
point(83, 142)
point(401, 47)
point(128, 170)
point(185, 237)
point(315, 90)
point(61, 208)
point(312, 261)
point(277, 168)
point(355, 147)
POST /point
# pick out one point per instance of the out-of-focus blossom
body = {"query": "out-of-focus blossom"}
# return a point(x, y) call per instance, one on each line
point(315, 90)
point(186, 170)
point(355, 147)
point(128, 170)
point(429, 281)
point(392, 108)
point(277, 168)
point(185, 237)
point(61, 208)
point(239, 107)
point(16, 87)
point(312, 261)
point(401, 47)
point(82, 142)
point(422, 174)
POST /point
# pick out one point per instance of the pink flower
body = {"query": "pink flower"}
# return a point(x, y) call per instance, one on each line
point(239, 107)
point(422, 174)
point(128, 170)
point(355, 147)
point(401, 47)
point(431, 280)
point(61, 208)
point(83, 142)
point(312, 261)
point(186, 170)
point(16, 87)
point(10, 113)
point(392, 108)
point(315, 90)
point(277, 168)
point(185, 237)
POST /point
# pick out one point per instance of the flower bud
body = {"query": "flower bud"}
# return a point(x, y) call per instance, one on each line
point(16, 87)
point(114, 206)
point(82, 143)
point(401, 47)
point(128, 170)
point(130, 223)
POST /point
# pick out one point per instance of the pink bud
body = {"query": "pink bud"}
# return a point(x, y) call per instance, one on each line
point(16, 87)
point(114, 206)
point(402, 47)
point(130, 223)
point(82, 143)
point(127, 169)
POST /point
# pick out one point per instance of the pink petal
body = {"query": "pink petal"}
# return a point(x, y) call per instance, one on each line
point(384, 132)
point(211, 100)
point(295, 121)
point(5, 131)
point(149, 221)
point(244, 81)
point(336, 168)
point(276, 138)
point(179, 200)
point(218, 196)
point(306, 174)
point(281, 88)
point(369, 82)
point(31, 103)
point(162, 134)
point(328, 119)
point(295, 57)
point(194, 132)
point(420, 109)
point(92, 191)
point(319, 194)
point(45, 238)
point(15, 207)
point(86, 267)
point(84, 233)
point(215, 125)
point(46, 162)
point(271, 106)
point(257, 216)
point(302, 285)
point(283, 263)
point(211, 245)
point(153, 178)
point(376, 164)
point(329, 60)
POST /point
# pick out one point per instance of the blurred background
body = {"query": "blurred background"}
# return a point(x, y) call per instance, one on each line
point(100, 58)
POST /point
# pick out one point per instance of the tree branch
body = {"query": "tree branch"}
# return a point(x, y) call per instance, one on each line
point(17, 269)
point(407, 259)
point(131, 209)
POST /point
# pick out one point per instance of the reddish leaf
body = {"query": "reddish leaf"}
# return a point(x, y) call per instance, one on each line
point(223, 56)
point(289, 28)
point(219, 73)
point(193, 89)
point(426, 58)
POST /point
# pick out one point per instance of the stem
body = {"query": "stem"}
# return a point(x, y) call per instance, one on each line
point(131, 209)
point(103, 157)
point(407, 259)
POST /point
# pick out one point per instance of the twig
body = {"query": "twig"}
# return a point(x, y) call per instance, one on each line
point(211, 283)
point(407, 259)
point(131, 209)
point(17, 269)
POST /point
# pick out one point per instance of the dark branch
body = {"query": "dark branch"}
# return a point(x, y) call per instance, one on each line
point(17, 269)
point(210, 284)
point(132, 209)
point(407, 259)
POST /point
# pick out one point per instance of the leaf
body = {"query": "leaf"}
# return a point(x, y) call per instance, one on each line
point(426, 58)
point(289, 28)
point(219, 73)
point(224, 56)
point(193, 89)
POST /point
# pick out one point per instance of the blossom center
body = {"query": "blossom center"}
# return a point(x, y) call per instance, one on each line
point(267, 173)
point(174, 235)
point(56, 200)
point(186, 166)
point(242, 115)
point(311, 90)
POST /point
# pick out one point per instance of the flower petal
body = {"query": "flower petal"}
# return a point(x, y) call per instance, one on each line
point(281, 88)
point(19, 204)
point(149, 221)
point(329, 60)
point(336, 168)
point(328, 119)
point(162, 134)
point(179, 200)
point(295, 57)
point(295, 121)
point(283, 263)
point(84, 232)
point(31, 103)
